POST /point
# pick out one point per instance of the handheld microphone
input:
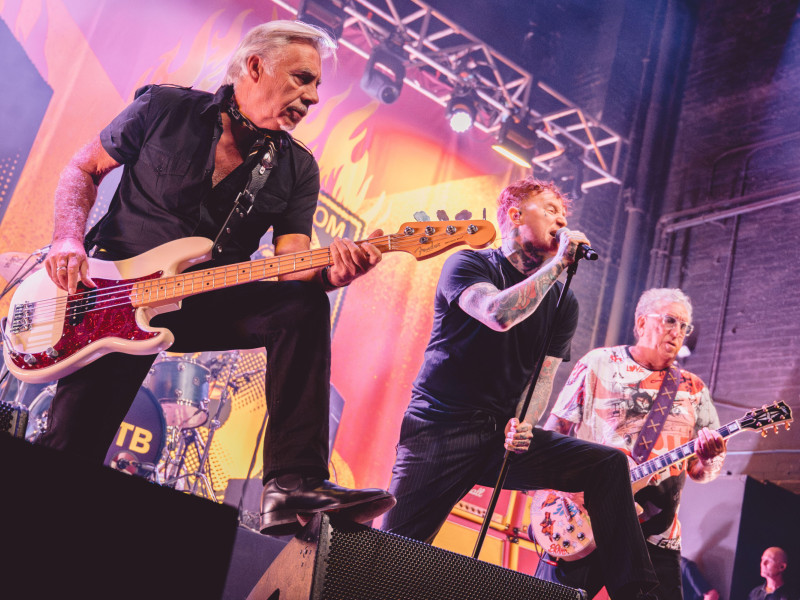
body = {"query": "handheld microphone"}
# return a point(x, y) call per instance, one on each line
point(584, 250)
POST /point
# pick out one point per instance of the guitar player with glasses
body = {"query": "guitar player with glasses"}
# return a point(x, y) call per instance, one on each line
point(637, 399)
point(186, 156)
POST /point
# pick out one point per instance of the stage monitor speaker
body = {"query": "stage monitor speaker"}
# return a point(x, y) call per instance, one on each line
point(332, 559)
point(13, 418)
point(73, 529)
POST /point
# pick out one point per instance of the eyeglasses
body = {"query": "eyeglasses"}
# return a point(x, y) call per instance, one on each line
point(671, 322)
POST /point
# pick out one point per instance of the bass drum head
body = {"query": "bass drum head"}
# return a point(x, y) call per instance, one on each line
point(139, 441)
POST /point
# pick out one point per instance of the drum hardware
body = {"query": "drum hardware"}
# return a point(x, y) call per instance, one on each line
point(181, 386)
point(138, 443)
point(14, 266)
point(175, 471)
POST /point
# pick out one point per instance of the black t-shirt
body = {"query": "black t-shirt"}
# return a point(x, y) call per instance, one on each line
point(166, 140)
point(468, 367)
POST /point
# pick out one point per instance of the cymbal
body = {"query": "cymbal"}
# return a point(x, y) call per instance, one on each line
point(10, 262)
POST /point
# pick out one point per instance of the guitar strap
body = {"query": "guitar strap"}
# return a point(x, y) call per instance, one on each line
point(244, 202)
point(271, 145)
point(657, 415)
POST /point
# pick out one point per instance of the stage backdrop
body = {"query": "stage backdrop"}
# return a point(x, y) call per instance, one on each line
point(69, 66)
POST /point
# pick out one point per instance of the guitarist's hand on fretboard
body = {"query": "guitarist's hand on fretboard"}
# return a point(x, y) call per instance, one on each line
point(351, 260)
point(710, 448)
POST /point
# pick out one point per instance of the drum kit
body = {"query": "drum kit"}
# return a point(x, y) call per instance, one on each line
point(168, 431)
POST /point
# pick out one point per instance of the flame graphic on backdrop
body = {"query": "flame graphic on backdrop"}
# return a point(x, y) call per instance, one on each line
point(344, 158)
point(206, 59)
point(29, 14)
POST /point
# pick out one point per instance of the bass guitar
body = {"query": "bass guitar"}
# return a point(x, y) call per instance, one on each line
point(562, 527)
point(49, 334)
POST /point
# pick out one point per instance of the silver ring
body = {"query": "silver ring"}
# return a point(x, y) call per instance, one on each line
point(62, 267)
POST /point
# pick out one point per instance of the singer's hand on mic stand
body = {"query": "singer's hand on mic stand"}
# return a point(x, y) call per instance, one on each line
point(572, 246)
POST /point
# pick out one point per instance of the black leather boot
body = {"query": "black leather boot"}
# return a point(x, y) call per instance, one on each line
point(287, 496)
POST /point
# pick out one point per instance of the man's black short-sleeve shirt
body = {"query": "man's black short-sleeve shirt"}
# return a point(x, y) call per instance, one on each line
point(166, 140)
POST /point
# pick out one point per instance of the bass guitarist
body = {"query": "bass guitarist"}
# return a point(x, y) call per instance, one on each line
point(615, 396)
point(186, 155)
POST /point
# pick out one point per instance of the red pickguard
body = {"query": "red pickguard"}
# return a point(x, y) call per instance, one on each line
point(114, 317)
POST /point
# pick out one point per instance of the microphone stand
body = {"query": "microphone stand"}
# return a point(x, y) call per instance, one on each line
point(534, 378)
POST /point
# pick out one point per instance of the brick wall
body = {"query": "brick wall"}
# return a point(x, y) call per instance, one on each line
point(736, 165)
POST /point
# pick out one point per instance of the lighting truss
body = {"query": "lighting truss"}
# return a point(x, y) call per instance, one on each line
point(442, 56)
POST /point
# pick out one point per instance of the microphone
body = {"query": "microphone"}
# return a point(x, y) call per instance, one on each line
point(584, 251)
point(123, 464)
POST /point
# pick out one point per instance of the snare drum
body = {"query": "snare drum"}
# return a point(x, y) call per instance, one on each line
point(181, 386)
point(140, 439)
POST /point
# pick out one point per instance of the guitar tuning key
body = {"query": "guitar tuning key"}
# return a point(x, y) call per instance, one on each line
point(450, 229)
point(409, 230)
point(430, 230)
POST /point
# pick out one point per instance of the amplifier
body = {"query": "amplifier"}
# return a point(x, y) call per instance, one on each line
point(13, 418)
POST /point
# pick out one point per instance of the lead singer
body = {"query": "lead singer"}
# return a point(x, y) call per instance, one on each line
point(492, 311)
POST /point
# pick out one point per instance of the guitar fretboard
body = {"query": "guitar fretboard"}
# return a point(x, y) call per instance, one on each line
point(181, 286)
point(654, 465)
point(206, 280)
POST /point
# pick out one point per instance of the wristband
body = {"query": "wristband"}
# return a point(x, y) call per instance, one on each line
point(326, 282)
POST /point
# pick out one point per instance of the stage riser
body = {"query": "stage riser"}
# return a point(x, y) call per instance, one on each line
point(75, 530)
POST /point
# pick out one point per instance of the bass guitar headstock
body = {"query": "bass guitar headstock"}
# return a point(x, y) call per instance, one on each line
point(424, 239)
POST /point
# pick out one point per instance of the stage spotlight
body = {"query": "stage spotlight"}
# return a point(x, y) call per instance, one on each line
point(461, 111)
point(516, 141)
point(383, 75)
point(328, 14)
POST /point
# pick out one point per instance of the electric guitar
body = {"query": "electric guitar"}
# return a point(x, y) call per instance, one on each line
point(562, 527)
point(49, 334)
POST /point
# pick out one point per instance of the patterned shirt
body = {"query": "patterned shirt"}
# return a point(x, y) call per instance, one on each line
point(608, 397)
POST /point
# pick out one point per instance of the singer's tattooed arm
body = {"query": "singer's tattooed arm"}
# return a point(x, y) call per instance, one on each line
point(541, 393)
point(500, 310)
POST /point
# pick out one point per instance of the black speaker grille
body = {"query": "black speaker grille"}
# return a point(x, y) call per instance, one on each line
point(366, 564)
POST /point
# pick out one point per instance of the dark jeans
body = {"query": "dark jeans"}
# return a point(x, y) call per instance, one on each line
point(439, 462)
point(586, 573)
point(290, 319)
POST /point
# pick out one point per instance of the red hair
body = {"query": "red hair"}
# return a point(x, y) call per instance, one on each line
point(522, 190)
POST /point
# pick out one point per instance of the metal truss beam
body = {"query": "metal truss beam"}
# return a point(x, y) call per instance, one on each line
point(441, 58)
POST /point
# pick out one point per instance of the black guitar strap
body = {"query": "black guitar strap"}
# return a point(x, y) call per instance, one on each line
point(246, 198)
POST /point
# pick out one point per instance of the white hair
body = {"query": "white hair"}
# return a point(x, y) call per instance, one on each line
point(651, 299)
point(268, 41)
